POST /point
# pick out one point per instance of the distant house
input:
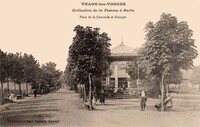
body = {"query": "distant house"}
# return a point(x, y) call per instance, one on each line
point(118, 59)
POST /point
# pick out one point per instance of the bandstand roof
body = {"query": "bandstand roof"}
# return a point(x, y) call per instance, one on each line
point(123, 50)
point(123, 53)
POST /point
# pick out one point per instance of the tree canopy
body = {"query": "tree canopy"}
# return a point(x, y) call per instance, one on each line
point(50, 74)
point(169, 47)
point(88, 54)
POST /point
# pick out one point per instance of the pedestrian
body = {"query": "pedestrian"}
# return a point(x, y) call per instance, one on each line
point(143, 100)
point(95, 95)
point(11, 97)
point(102, 97)
point(35, 93)
point(168, 102)
point(158, 104)
point(24, 94)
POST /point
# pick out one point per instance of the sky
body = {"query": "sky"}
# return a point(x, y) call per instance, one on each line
point(44, 28)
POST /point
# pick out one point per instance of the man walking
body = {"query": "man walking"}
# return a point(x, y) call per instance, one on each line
point(35, 93)
point(143, 100)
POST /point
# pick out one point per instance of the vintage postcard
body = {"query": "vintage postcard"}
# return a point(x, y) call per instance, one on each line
point(90, 63)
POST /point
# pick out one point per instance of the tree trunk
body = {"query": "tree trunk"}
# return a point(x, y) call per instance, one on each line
point(162, 94)
point(2, 93)
point(20, 89)
point(8, 86)
point(27, 88)
point(90, 92)
point(84, 93)
point(160, 82)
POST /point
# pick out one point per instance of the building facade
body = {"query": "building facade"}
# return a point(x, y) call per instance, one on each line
point(118, 59)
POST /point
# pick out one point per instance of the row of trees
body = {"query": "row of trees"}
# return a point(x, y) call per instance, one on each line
point(25, 69)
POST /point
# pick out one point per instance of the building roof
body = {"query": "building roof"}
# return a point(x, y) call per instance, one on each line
point(123, 50)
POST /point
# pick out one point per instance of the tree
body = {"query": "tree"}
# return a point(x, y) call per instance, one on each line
point(18, 70)
point(31, 67)
point(8, 68)
point(136, 70)
point(88, 56)
point(71, 77)
point(9, 63)
point(2, 73)
point(169, 47)
point(50, 74)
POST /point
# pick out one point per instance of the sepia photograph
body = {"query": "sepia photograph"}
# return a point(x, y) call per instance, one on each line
point(109, 63)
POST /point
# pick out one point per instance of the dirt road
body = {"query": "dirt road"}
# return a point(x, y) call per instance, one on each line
point(64, 109)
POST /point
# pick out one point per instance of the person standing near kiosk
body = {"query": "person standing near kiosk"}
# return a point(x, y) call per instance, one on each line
point(143, 100)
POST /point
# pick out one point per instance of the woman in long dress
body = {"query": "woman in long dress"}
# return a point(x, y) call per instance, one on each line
point(102, 97)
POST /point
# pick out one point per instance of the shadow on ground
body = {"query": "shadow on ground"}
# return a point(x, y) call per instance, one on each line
point(33, 112)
